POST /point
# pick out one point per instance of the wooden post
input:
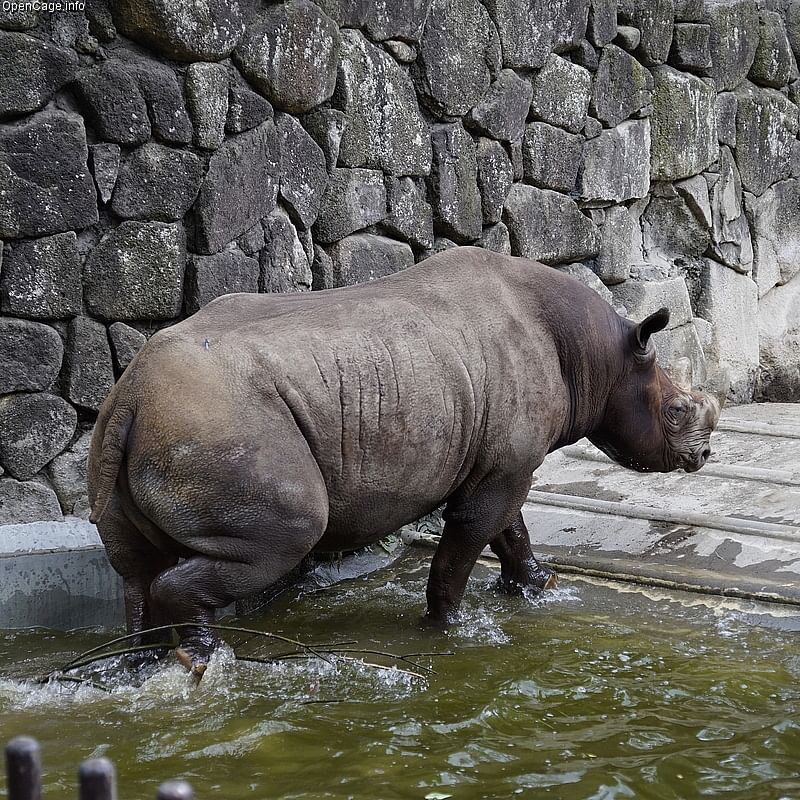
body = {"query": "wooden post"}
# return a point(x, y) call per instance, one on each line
point(175, 790)
point(24, 769)
point(96, 780)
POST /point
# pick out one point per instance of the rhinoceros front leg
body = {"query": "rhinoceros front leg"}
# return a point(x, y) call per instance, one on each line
point(518, 566)
point(471, 523)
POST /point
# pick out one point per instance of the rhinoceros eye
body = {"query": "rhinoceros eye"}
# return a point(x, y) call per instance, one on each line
point(678, 409)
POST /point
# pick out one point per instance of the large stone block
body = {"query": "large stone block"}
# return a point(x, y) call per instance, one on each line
point(530, 31)
point(113, 104)
point(304, 174)
point(326, 128)
point(653, 19)
point(766, 126)
point(105, 159)
point(208, 277)
point(125, 342)
point(588, 278)
point(671, 231)
point(289, 53)
point(454, 183)
point(30, 356)
point(729, 301)
point(89, 368)
point(458, 55)
point(613, 262)
point(136, 272)
point(691, 49)
point(410, 216)
point(163, 97)
point(733, 40)
point(496, 238)
point(680, 352)
point(27, 501)
point(502, 112)
point(684, 125)
point(644, 296)
point(791, 18)
point(22, 18)
point(34, 428)
point(353, 199)
point(383, 126)
point(551, 157)
point(45, 185)
point(602, 24)
point(365, 257)
point(779, 343)
point(350, 13)
point(285, 266)
point(621, 86)
point(616, 164)
point(67, 473)
point(730, 234)
point(495, 176)
point(726, 118)
point(561, 94)
point(33, 71)
point(246, 109)
point(774, 61)
point(184, 30)
point(775, 222)
point(41, 278)
point(688, 10)
point(240, 187)
point(207, 92)
point(548, 227)
point(157, 183)
point(398, 19)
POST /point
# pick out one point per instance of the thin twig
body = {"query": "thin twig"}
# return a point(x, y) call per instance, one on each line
point(121, 652)
point(177, 626)
point(56, 676)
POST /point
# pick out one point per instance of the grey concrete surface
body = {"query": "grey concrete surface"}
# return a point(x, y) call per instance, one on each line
point(733, 528)
point(56, 575)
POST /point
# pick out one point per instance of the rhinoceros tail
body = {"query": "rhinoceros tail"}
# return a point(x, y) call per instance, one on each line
point(112, 451)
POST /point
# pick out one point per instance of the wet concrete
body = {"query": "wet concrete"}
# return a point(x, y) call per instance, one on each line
point(732, 528)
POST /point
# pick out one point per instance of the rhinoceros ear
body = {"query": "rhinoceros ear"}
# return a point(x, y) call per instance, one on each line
point(656, 322)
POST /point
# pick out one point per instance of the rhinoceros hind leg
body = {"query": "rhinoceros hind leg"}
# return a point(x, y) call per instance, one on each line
point(189, 593)
point(138, 562)
point(518, 566)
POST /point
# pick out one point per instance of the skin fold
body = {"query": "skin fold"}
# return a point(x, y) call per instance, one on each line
point(269, 426)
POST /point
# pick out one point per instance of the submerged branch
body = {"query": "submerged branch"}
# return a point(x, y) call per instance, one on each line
point(331, 650)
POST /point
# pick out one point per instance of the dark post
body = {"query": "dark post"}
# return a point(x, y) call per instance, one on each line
point(24, 769)
point(175, 790)
point(96, 780)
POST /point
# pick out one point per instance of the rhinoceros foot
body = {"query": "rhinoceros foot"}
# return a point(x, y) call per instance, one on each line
point(539, 580)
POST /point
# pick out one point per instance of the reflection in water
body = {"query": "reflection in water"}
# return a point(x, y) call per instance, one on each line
point(585, 692)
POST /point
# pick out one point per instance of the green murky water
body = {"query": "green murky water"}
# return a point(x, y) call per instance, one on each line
point(587, 693)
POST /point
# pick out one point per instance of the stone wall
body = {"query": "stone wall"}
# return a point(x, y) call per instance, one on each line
point(155, 154)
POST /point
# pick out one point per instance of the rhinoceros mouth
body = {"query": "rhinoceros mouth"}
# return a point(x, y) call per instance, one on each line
point(697, 460)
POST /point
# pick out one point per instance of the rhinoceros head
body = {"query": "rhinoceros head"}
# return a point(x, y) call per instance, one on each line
point(651, 424)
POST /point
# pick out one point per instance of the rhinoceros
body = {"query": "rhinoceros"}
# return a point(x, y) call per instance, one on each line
point(269, 426)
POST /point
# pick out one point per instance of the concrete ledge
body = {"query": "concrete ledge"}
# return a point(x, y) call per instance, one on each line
point(56, 575)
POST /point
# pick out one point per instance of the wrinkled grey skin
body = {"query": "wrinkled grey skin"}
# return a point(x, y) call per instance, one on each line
point(268, 426)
